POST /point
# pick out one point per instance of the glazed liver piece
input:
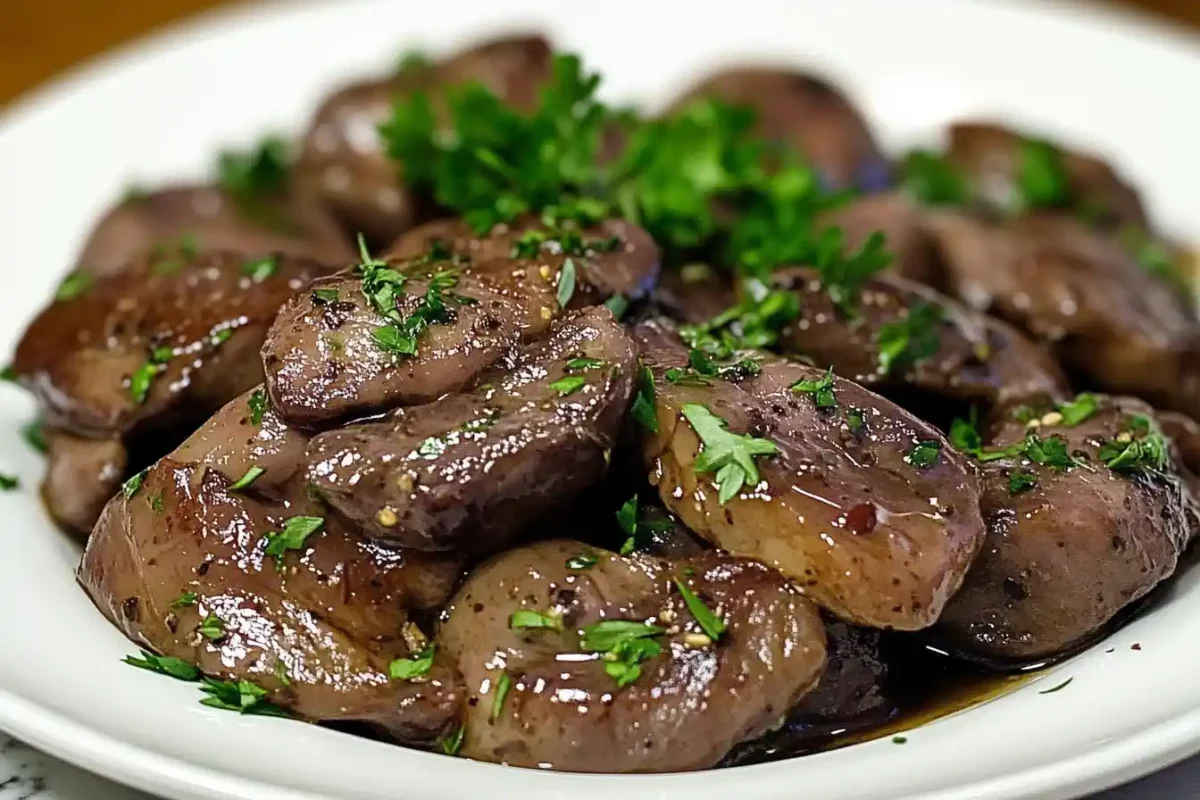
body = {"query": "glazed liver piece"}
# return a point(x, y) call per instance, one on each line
point(1063, 558)
point(691, 702)
point(324, 365)
point(807, 113)
point(342, 162)
point(328, 617)
point(467, 472)
point(193, 326)
point(81, 475)
point(841, 508)
point(992, 157)
point(1105, 317)
point(207, 218)
point(978, 359)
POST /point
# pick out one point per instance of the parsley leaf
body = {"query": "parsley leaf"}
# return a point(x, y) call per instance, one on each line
point(258, 270)
point(143, 376)
point(1021, 480)
point(324, 296)
point(821, 390)
point(131, 486)
point(524, 618)
point(910, 339)
point(295, 533)
point(503, 687)
point(262, 170)
point(1042, 176)
point(451, 742)
point(729, 455)
point(258, 405)
point(212, 628)
point(644, 408)
point(35, 436)
point(241, 696)
point(184, 600)
point(709, 622)
point(1078, 410)
point(618, 305)
point(625, 645)
point(1142, 447)
point(581, 561)
point(164, 665)
point(405, 669)
point(933, 180)
point(634, 527)
point(73, 286)
point(566, 283)
point(568, 384)
point(924, 454)
point(250, 477)
point(964, 435)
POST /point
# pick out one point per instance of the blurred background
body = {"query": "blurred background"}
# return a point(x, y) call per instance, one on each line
point(40, 38)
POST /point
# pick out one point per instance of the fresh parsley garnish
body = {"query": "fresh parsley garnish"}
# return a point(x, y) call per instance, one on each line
point(164, 665)
point(821, 390)
point(1141, 447)
point(1021, 480)
point(730, 456)
point(710, 623)
point(524, 619)
point(295, 533)
point(933, 180)
point(566, 283)
point(854, 420)
point(625, 645)
point(8, 482)
point(73, 286)
point(405, 669)
point(909, 339)
point(635, 527)
point(143, 376)
point(258, 270)
point(581, 561)
point(583, 364)
point(35, 436)
point(924, 454)
point(257, 405)
point(451, 742)
point(964, 434)
point(261, 170)
point(184, 600)
point(250, 477)
point(644, 409)
point(241, 696)
point(618, 305)
point(568, 384)
point(1078, 410)
point(324, 296)
point(212, 628)
point(1042, 176)
point(131, 486)
point(503, 687)
point(155, 502)
point(1154, 257)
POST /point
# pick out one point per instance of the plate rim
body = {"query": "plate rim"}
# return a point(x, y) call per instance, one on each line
point(1125, 759)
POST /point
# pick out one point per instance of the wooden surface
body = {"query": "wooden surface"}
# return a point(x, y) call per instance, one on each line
point(40, 38)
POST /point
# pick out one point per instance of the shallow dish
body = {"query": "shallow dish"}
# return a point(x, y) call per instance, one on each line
point(162, 108)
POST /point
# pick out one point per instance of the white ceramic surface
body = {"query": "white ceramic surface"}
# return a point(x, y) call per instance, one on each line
point(161, 109)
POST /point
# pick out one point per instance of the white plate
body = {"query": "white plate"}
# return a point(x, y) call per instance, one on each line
point(161, 109)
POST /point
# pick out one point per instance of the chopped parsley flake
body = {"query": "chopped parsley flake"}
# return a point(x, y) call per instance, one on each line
point(1078, 410)
point(503, 687)
point(324, 296)
point(8, 482)
point(260, 170)
point(1140, 448)
point(405, 669)
point(295, 533)
point(212, 628)
point(241, 696)
point(709, 622)
point(933, 180)
point(131, 486)
point(644, 404)
point(1042, 176)
point(451, 742)
point(184, 600)
point(581, 561)
point(729, 455)
point(524, 619)
point(625, 645)
point(910, 339)
point(566, 283)
point(258, 405)
point(1021, 480)
point(821, 390)
point(618, 305)
point(35, 436)
point(164, 665)
point(258, 270)
point(250, 477)
point(568, 384)
point(924, 454)
point(73, 286)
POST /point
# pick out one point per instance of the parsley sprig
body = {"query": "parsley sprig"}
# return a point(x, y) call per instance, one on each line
point(1141, 447)
point(730, 456)
point(910, 339)
point(820, 389)
point(625, 644)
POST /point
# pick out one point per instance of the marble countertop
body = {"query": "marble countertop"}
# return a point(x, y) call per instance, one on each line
point(26, 774)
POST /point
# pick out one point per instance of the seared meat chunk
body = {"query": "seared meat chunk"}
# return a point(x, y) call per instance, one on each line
point(807, 113)
point(208, 218)
point(906, 336)
point(1106, 318)
point(166, 341)
point(468, 472)
point(1070, 543)
point(667, 698)
point(344, 162)
point(81, 474)
point(1000, 163)
point(188, 566)
point(862, 504)
point(694, 294)
point(326, 361)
